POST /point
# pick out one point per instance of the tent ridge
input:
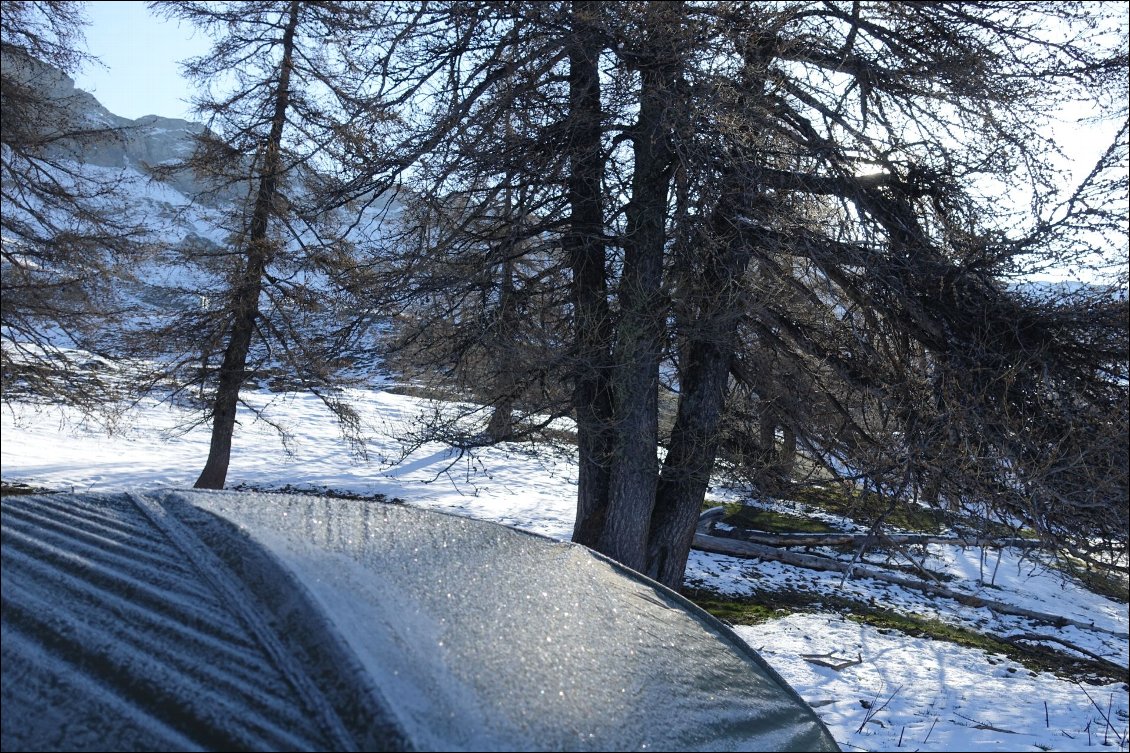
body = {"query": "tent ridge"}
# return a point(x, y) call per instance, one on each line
point(229, 589)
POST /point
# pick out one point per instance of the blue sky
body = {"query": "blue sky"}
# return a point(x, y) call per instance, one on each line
point(140, 54)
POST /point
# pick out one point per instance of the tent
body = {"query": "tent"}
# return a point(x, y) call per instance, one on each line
point(225, 621)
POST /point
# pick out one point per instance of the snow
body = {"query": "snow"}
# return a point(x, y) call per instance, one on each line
point(931, 695)
point(1020, 582)
point(923, 694)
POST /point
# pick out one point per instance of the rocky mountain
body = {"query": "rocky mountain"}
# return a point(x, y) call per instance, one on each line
point(99, 138)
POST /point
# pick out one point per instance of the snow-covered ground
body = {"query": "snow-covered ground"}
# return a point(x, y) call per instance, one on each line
point(898, 692)
point(920, 694)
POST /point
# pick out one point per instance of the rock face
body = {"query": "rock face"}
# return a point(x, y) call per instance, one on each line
point(183, 218)
point(149, 140)
point(96, 136)
point(81, 130)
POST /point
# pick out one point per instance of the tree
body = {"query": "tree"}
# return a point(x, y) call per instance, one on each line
point(292, 115)
point(65, 237)
point(474, 274)
point(911, 251)
point(757, 191)
point(482, 313)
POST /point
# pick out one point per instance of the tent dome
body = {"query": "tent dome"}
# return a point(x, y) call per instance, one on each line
point(204, 620)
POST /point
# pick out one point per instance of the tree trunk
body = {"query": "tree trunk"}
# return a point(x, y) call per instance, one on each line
point(702, 389)
point(639, 336)
point(690, 459)
point(501, 424)
point(584, 246)
point(725, 251)
point(245, 301)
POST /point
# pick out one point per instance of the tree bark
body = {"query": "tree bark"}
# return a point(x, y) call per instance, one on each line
point(724, 253)
point(689, 462)
point(702, 389)
point(639, 336)
point(501, 424)
point(245, 301)
point(585, 249)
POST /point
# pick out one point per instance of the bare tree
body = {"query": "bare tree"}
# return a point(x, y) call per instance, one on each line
point(916, 267)
point(65, 236)
point(847, 138)
point(291, 110)
point(476, 278)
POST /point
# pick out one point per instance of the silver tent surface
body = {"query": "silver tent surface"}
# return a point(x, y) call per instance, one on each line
point(222, 621)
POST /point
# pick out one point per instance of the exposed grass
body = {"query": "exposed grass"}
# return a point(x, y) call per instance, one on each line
point(10, 489)
point(1113, 585)
point(771, 606)
point(773, 521)
point(867, 507)
point(1034, 657)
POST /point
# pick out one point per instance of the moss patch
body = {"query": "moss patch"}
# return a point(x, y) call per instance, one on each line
point(765, 607)
point(1113, 585)
point(773, 521)
point(1034, 657)
point(752, 611)
point(867, 507)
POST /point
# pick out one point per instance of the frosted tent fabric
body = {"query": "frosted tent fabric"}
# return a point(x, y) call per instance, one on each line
point(221, 620)
point(118, 636)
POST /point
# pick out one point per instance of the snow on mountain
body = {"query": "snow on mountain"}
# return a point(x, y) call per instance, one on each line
point(107, 140)
point(187, 223)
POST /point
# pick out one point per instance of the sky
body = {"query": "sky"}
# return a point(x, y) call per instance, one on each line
point(140, 55)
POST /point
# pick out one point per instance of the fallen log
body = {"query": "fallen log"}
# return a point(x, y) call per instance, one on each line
point(714, 515)
point(1039, 638)
point(855, 539)
point(750, 550)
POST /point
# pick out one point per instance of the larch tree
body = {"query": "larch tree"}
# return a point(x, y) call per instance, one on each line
point(288, 97)
point(889, 119)
point(825, 178)
point(475, 279)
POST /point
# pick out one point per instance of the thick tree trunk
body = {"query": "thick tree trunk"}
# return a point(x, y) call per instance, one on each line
point(639, 336)
point(689, 461)
point(767, 431)
point(245, 302)
point(585, 249)
point(501, 424)
point(713, 292)
point(702, 389)
point(786, 459)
